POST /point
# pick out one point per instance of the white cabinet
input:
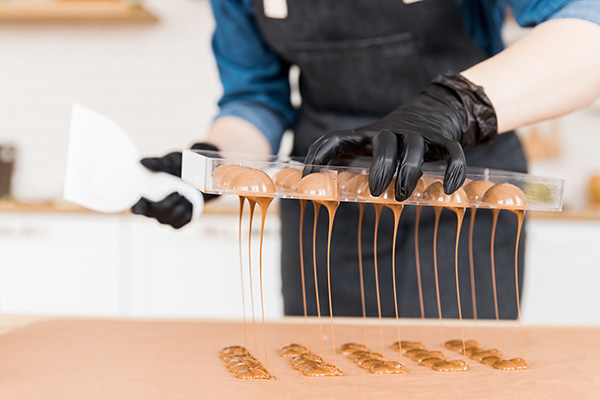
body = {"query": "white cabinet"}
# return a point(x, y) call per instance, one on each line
point(194, 272)
point(124, 265)
point(59, 263)
point(562, 278)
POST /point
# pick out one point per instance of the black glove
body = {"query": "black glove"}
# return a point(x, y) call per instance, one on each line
point(450, 114)
point(175, 209)
point(171, 163)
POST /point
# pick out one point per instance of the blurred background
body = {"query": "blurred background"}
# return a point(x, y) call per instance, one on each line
point(148, 66)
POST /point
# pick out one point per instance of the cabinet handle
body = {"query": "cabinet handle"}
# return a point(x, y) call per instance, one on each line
point(16, 231)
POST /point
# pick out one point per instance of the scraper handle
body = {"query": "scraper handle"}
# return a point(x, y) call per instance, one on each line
point(158, 185)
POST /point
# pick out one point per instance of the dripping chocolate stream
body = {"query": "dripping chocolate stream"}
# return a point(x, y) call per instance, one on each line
point(460, 213)
point(418, 261)
point(252, 205)
point(495, 213)
point(302, 209)
point(242, 201)
point(397, 210)
point(438, 211)
point(418, 266)
point(377, 217)
point(264, 203)
point(472, 270)
point(331, 209)
point(256, 181)
point(317, 207)
point(520, 215)
point(360, 268)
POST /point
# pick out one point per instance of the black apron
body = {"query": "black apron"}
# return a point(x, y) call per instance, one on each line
point(359, 60)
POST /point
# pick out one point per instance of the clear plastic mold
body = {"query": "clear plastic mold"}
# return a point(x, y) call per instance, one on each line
point(210, 172)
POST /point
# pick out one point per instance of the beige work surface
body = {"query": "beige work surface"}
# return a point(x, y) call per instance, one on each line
point(124, 359)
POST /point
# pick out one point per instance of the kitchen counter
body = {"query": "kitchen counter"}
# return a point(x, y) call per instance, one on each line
point(226, 207)
point(157, 359)
point(590, 213)
point(229, 206)
point(110, 11)
point(9, 323)
point(9, 206)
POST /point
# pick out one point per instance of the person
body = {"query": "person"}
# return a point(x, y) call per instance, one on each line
point(404, 82)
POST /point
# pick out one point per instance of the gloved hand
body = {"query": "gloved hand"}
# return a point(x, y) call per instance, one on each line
point(436, 124)
point(175, 209)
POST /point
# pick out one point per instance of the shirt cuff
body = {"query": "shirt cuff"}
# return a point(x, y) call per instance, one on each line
point(269, 123)
point(588, 10)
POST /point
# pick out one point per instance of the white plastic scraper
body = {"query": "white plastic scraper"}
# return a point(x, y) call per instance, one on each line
point(104, 171)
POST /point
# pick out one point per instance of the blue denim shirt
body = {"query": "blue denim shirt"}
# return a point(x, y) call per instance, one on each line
point(256, 84)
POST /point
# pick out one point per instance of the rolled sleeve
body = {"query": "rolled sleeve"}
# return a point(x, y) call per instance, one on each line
point(271, 124)
point(588, 10)
point(255, 80)
point(529, 13)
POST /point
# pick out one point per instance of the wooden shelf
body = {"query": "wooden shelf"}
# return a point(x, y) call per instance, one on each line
point(74, 11)
point(588, 213)
point(9, 206)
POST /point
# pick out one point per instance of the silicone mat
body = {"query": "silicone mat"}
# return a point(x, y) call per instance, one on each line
point(124, 359)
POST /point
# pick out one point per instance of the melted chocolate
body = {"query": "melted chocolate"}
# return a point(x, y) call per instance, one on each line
point(349, 348)
point(325, 189)
point(376, 269)
point(430, 362)
point(480, 354)
point(513, 364)
point(505, 196)
point(397, 210)
point(302, 278)
point(512, 198)
point(425, 354)
point(282, 177)
point(490, 360)
point(459, 345)
point(344, 178)
point(472, 269)
point(361, 213)
point(223, 180)
point(322, 189)
point(388, 367)
point(242, 200)
point(242, 364)
point(358, 186)
point(438, 211)
point(308, 363)
point(475, 190)
point(435, 359)
point(418, 262)
point(493, 269)
point(451, 366)
point(218, 181)
point(257, 187)
point(406, 346)
point(293, 350)
point(376, 363)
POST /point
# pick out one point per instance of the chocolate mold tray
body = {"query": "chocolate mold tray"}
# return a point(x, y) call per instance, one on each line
point(212, 172)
